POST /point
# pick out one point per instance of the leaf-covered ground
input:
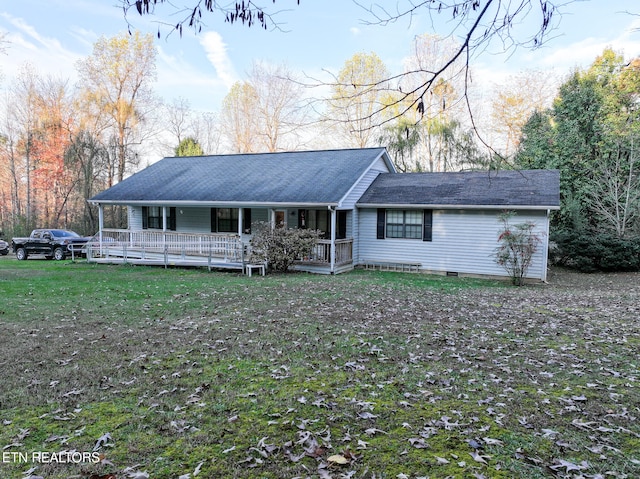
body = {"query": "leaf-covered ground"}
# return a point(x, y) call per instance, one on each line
point(185, 373)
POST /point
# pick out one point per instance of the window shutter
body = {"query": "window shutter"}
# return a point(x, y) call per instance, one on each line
point(145, 217)
point(380, 224)
point(171, 220)
point(214, 220)
point(246, 220)
point(427, 225)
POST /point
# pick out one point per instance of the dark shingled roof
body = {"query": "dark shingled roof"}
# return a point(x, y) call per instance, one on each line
point(308, 177)
point(504, 188)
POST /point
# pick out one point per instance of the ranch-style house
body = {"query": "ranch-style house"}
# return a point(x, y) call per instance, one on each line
point(203, 211)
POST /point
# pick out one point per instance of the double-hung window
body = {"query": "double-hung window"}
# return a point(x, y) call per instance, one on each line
point(152, 218)
point(408, 224)
point(404, 224)
point(224, 220)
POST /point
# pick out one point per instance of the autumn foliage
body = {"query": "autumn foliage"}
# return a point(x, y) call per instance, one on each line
point(59, 146)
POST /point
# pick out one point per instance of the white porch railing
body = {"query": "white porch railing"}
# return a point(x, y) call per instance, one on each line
point(322, 252)
point(125, 242)
point(165, 245)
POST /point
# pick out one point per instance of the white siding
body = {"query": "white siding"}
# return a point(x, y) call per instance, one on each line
point(380, 165)
point(359, 188)
point(259, 215)
point(188, 220)
point(355, 194)
point(355, 233)
point(193, 220)
point(462, 242)
point(135, 217)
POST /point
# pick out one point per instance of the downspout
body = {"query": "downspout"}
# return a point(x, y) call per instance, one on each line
point(333, 239)
point(545, 256)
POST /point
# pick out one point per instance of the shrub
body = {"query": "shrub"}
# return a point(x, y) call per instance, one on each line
point(517, 245)
point(281, 247)
point(590, 252)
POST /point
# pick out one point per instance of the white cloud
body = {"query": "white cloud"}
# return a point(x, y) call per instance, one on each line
point(581, 54)
point(27, 45)
point(355, 31)
point(216, 51)
point(179, 78)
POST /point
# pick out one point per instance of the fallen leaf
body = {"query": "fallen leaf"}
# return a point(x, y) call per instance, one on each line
point(569, 466)
point(479, 457)
point(338, 459)
point(103, 441)
point(138, 475)
point(366, 415)
point(491, 441)
point(418, 442)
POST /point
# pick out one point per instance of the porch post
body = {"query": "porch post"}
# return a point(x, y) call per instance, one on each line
point(100, 224)
point(333, 238)
point(240, 223)
point(164, 228)
point(272, 218)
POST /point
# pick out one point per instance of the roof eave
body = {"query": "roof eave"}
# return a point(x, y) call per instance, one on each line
point(458, 207)
point(207, 204)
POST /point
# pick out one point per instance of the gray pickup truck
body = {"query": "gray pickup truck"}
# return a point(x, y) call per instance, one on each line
point(52, 243)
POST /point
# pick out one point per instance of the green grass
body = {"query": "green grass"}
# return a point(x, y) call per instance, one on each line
point(268, 377)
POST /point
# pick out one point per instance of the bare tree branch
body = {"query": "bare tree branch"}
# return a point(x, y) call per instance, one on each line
point(247, 13)
point(479, 25)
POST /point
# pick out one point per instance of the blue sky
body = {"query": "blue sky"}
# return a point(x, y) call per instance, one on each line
point(315, 36)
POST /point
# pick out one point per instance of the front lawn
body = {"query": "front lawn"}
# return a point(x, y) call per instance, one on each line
point(187, 373)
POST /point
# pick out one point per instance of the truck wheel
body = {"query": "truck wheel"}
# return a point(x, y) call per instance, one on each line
point(21, 254)
point(58, 254)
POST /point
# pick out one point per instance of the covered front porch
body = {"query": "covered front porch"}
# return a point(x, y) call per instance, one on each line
point(179, 235)
point(210, 250)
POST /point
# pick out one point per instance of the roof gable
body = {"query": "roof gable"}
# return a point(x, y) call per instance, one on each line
point(498, 189)
point(306, 177)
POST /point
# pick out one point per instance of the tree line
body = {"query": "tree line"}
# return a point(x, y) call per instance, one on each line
point(60, 144)
point(591, 134)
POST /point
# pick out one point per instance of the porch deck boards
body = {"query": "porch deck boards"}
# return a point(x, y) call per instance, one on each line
point(184, 262)
point(153, 257)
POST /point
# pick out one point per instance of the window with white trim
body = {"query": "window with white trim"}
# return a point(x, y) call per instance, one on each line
point(404, 224)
